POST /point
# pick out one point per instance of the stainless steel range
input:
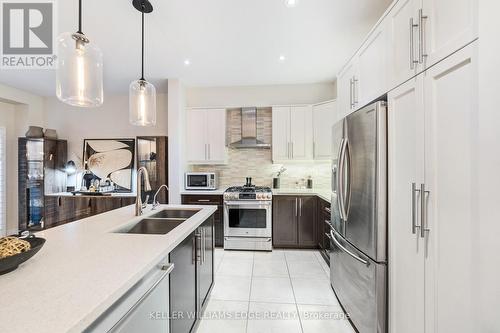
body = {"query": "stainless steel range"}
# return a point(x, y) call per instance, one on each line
point(248, 218)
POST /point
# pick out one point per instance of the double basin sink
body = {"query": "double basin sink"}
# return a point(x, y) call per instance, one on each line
point(160, 223)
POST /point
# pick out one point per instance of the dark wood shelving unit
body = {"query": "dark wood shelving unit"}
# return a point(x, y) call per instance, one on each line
point(152, 153)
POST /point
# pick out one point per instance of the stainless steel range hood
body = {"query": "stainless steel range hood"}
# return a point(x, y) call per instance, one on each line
point(249, 131)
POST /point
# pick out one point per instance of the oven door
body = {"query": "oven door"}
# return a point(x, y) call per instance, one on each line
point(247, 219)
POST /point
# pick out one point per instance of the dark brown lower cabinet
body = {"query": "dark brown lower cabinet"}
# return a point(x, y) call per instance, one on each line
point(295, 222)
point(211, 200)
point(65, 209)
point(324, 217)
point(192, 278)
point(285, 222)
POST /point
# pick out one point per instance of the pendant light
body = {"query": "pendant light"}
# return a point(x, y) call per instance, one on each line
point(142, 94)
point(79, 71)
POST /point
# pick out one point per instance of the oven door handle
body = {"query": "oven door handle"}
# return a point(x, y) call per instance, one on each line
point(256, 204)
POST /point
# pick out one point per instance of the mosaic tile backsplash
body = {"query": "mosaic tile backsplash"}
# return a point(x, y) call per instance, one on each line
point(257, 163)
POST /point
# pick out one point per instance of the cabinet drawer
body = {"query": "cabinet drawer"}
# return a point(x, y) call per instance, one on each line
point(202, 199)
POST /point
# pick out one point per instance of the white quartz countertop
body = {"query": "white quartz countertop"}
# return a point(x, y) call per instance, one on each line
point(321, 193)
point(83, 269)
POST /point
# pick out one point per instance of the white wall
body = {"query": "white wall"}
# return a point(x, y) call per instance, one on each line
point(488, 216)
point(18, 110)
point(176, 139)
point(260, 96)
point(8, 120)
point(111, 120)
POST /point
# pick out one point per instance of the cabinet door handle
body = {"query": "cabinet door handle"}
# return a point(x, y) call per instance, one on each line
point(421, 50)
point(296, 207)
point(423, 213)
point(412, 44)
point(193, 250)
point(355, 91)
point(300, 207)
point(350, 93)
point(414, 225)
point(203, 200)
point(328, 210)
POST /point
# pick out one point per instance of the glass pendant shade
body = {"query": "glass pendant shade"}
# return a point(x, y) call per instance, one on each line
point(79, 80)
point(142, 103)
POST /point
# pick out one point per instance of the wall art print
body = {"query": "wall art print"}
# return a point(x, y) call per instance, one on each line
point(111, 159)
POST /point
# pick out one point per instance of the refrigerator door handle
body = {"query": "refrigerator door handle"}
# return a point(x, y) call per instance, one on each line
point(346, 250)
point(341, 179)
point(347, 158)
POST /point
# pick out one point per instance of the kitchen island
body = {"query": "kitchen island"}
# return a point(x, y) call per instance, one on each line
point(85, 267)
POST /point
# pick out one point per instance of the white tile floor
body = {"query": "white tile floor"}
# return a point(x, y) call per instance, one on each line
point(272, 292)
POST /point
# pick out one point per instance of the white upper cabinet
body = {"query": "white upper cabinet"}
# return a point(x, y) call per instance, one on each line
point(301, 133)
point(292, 133)
point(403, 48)
point(347, 84)
point(447, 26)
point(206, 136)
point(373, 66)
point(324, 117)
point(281, 133)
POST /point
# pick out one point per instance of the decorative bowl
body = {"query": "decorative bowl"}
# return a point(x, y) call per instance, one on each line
point(11, 263)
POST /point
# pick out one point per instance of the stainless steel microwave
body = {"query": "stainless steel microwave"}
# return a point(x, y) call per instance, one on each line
point(201, 181)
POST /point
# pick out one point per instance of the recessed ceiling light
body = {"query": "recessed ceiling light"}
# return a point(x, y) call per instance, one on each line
point(282, 58)
point(291, 3)
point(187, 62)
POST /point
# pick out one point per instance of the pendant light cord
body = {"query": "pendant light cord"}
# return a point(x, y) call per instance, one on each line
point(80, 17)
point(142, 71)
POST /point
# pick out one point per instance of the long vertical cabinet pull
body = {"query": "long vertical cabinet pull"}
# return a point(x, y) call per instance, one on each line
point(300, 207)
point(296, 207)
point(193, 250)
point(355, 92)
point(423, 206)
point(413, 61)
point(350, 94)
point(421, 39)
point(414, 192)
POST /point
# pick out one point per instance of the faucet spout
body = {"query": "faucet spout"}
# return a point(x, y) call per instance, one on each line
point(155, 202)
point(139, 205)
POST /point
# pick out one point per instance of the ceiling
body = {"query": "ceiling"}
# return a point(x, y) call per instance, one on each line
point(228, 42)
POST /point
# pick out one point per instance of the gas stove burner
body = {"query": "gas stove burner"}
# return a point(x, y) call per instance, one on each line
point(248, 193)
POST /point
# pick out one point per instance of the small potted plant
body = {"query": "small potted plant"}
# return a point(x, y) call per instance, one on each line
point(276, 180)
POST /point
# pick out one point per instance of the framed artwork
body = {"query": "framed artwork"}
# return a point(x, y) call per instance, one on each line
point(111, 159)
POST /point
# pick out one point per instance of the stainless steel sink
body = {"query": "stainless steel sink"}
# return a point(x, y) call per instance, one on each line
point(160, 223)
point(151, 226)
point(175, 214)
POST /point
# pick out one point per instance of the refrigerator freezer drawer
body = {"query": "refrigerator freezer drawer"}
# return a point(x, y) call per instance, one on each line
point(360, 285)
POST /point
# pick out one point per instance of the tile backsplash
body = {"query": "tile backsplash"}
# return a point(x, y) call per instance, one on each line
point(257, 163)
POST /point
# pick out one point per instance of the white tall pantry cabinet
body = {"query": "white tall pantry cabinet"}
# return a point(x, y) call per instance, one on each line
point(431, 147)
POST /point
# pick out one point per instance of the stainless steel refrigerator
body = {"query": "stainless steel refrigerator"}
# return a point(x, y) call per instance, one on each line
point(358, 257)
